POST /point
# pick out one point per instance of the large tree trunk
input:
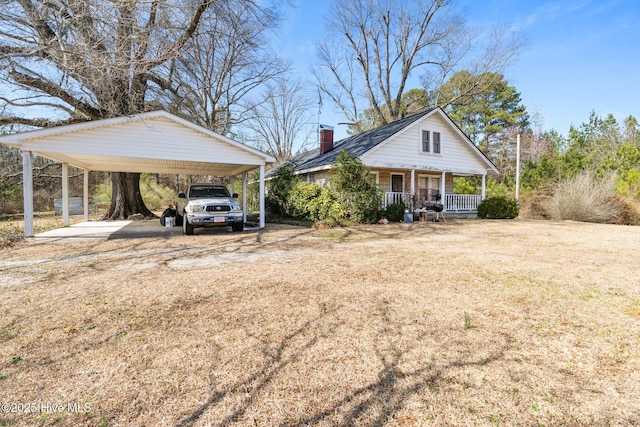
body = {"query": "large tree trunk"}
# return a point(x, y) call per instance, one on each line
point(126, 198)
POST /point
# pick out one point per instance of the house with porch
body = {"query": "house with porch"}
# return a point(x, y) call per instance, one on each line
point(414, 160)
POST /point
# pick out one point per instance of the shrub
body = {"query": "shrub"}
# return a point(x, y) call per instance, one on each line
point(395, 212)
point(499, 207)
point(629, 211)
point(277, 200)
point(307, 200)
point(584, 198)
point(10, 234)
point(155, 195)
point(356, 189)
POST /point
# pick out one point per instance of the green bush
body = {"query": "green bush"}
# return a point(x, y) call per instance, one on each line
point(395, 212)
point(277, 199)
point(307, 200)
point(356, 189)
point(155, 195)
point(499, 207)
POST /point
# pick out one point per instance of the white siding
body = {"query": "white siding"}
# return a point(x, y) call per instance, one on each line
point(404, 150)
point(157, 138)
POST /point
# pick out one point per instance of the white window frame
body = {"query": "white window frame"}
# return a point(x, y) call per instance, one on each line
point(376, 174)
point(437, 144)
point(424, 132)
point(433, 147)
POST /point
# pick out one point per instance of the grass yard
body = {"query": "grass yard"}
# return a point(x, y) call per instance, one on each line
point(458, 323)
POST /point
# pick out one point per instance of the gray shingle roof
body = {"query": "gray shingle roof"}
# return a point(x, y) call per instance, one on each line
point(355, 145)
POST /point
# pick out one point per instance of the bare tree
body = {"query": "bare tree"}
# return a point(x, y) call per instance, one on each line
point(375, 46)
point(78, 60)
point(225, 60)
point(282, 124)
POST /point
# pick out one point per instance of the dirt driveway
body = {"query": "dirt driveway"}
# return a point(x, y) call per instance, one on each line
point(457, 323)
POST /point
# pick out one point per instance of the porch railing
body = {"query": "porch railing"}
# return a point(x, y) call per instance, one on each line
point(462, 202)
point(452, 202)
point(391, 197)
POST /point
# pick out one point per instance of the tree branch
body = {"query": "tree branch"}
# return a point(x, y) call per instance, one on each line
point(38, 123)
point(52, 89)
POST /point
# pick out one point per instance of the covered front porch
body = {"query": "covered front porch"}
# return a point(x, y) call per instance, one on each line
point(421, 189)
point(462, 203)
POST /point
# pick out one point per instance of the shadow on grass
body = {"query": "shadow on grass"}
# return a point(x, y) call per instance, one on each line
point(373, 404)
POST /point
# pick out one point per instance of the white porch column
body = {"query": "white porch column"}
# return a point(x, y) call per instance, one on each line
point(232, 181)
point(413, 187)
point(85, 194)
point(65, 194)
point(484, 187)
point(244, 197)
point(262, 204)
point(27, 187)
point(443, 187)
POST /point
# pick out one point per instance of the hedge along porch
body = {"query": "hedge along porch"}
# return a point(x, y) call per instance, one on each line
point(155, 142)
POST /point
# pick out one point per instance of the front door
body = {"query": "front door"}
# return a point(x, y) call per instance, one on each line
point(397, 183)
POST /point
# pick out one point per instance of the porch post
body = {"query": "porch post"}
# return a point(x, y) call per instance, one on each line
point(65, 194)
point(413, 187)
point(484, 187)
point(85, 193)
point(27, 186)
point(244, 197)
point(261, 192)
point(443, 188)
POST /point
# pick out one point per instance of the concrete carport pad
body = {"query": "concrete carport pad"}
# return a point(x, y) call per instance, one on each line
point(109, 230)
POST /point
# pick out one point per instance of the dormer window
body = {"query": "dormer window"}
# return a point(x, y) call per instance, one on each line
point(431, 142)
point(436, 142)
point(426, 143)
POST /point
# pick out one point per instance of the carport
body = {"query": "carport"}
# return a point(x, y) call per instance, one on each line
point(154, 142)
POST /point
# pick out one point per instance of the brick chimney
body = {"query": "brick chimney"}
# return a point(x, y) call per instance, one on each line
point(326, 138)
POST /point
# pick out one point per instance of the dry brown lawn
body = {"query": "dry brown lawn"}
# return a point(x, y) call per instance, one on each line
point(458, 323)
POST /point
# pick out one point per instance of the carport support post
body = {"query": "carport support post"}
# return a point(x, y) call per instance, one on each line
point(244, 197)
point(85, 188)
point(484, 187)
point(65, 194)
point(262, 213)
point(27, 187)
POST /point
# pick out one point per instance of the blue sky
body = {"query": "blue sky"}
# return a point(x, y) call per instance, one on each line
point(581, 55)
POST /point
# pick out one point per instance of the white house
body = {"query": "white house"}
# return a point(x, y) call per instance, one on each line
point(414, 160)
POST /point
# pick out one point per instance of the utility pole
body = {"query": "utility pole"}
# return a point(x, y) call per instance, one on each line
point(518, 167)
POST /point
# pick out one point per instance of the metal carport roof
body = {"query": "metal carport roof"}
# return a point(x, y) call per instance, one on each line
point(154, 142)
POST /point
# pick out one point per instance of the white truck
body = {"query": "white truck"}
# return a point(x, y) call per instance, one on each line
point(208, 205)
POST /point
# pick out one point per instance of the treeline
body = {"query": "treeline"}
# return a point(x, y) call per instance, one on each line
point(592, 174)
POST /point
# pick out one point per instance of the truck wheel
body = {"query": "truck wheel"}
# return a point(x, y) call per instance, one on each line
point(186, 227)
point(237, 226)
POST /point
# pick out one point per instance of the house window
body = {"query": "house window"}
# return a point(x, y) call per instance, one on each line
point(311, 177)
point(428, 190)
point(436, 142)
point(426, 146)
point(431, 142)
